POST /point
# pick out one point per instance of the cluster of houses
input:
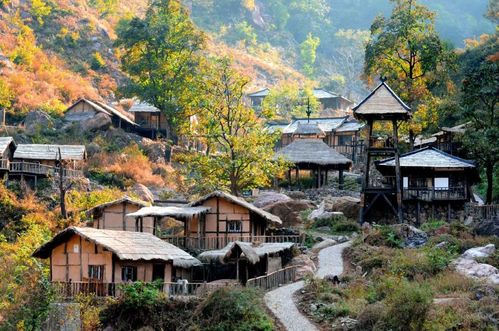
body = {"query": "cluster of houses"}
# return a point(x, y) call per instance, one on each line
point(223, 239)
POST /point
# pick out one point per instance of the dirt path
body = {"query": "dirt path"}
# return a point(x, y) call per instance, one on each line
point(280, 301)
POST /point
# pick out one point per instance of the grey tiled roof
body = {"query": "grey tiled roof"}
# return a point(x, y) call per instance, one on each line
point(143, 107)
point(5, 142)
point(428, 157)
point(259, 94)
point(49, 152)
point(325, 124)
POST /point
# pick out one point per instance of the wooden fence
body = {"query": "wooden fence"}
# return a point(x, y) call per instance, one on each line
point(484, 212)
point(274, 279)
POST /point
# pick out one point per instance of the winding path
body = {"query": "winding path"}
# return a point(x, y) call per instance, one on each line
point(280, 301)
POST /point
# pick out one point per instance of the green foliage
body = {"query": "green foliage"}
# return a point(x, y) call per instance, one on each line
point(242, 32)
point(140, 294)
point(98, 61)
point(425, 262)
point(384, 235)
point(233, 309)
point(160, 53)
point(308, 54)
point(432, 225)
point(240, 152)
point(104, 6)
point(6, 95)
point(40, 10)
point(339, 224)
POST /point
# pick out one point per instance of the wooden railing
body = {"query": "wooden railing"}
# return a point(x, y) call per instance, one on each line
point(274, 279)
point(381, 182)
point(206, 243)
point(42, 169)
point(485, 212)
point(429, 193)
point(4, 164)
point(67, 290)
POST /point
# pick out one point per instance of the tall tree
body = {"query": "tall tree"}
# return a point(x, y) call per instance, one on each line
point(240, 151)
point(407, 50)
point(308, 54)
point(480, 106)
point(160, 53)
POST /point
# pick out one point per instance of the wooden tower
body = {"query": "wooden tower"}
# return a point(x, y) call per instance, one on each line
point(381, 107)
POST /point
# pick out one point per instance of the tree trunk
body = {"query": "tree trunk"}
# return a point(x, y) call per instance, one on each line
point(412, 139)
point(489, 169)
point(62, 192)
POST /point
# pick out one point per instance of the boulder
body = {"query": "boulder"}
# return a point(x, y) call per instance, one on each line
point(37, 120)
point(323, 244)
point(143, 193)
point(270, 197)
point(304, 265)
point(487, 227)
point(467, 265)
point(322, 213)
point(297, 195)
point(412, 236)
point(155, 150)
point(478, 252)
point(349, 206)
point(100, 121)
point(345, 324)
point(289, 211)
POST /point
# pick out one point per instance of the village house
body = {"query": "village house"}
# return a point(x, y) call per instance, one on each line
point(85, 109)
point(308, 152)
point(112, 215)
point(446, 140)
point(7, 148)
point(151, 120)
point(84, 259)
point(38, 160)
point(435, 184)
point(213, 221)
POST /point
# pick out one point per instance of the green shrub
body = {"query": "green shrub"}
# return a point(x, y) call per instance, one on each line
point(427, 262)
point(432, 225)
point(334, 310)
point(141, 294)
point(338, 224)
point(233, 309)
point(384, 235)
point(407, 306)
point(371, 316)
point(98, 61)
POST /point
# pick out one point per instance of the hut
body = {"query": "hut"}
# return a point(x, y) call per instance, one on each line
point(151, 121)
point(244, 260)
point(85, 109)
point(112, 215)
point(435, 184)
point(84, 255)
point(257, 97)
point(309, 152)
point(44, 160)
point(7, 148)
point(332, 101)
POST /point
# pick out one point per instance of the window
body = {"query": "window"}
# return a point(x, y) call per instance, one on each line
point(96, 272)
point(76, 248)
point(234, 226)
point(441, 183)
point(405, 182)
point(344, 140)
point(129, 273)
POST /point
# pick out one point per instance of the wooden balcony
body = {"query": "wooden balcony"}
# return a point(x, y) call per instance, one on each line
point(208, 243)
point(41, 169)
point(433, 194)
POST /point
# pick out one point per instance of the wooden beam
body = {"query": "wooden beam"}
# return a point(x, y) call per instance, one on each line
point(397, 172)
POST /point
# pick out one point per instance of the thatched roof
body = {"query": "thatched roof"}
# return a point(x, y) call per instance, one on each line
point(143, 107)
point(126, 199)
point(382, 101)
point(101, 107)
point(49, 152)
point(5, 143)
point(126, 245)
point(313, 151)
point(171, 211)
point(309, 129)
point(238, 201)
point(428, 157)
point(253, 253)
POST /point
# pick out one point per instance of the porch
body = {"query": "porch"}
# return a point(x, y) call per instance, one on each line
point(31, 168)
point(432, 193)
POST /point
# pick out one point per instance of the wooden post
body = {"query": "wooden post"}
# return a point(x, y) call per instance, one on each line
point(124, 216)
point(340, 179)
point(397, 172)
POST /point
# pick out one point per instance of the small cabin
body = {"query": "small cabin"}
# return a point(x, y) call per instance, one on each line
point(151, 120)
point(82, 256)
point(113, 215)
point(85, 109)
point(7, 148)
point(435, 184)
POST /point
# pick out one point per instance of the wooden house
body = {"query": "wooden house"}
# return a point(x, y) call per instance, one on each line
point(83, 257)
point(213, 221)
point(448, 140)
point(151, 120)
point(7, 148)
point(309, 152)
point(435, 184)
point(43, 160)
point(243, 260)
point(85, 109)
point(257, 97)
point(113, 215)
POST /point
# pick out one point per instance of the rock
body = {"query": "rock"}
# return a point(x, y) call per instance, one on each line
point(349, 206)
point(326, 229)
point(412, 236)
point(442, 244)
point(297, 195)
point(305, 265)
point(269, 197)
point(143, 193)
point(318, 212)
point(487, 227)
point(37, 120)
point(323, 244)
point(155, 150)
point(93, 149)
point(289, 211)
point(313, 307)
point(100, 121)
point(345, 324)
point(477, 252)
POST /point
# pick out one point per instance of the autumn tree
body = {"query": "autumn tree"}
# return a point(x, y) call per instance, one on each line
point(479, 105)
point(160, 54)
point(287, 100)
point(239, 150)
point(408, 52)
point(308, 54)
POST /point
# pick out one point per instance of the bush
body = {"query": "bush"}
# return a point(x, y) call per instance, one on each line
point(233, 309)
point(407, 306)
point(371, 316)
point(432, 225)
point(384, 235)
point(98, 61)
point(338, 224)
point(426, 262)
